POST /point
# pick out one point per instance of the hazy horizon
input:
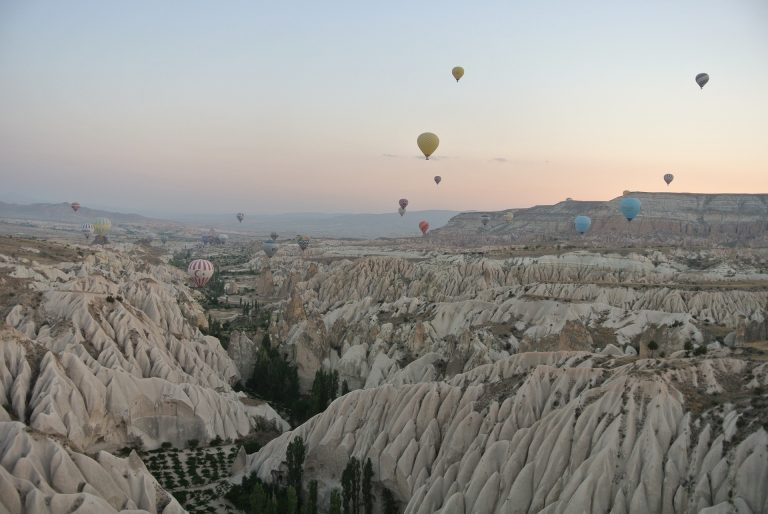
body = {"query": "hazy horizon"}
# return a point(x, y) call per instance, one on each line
point(178, 107)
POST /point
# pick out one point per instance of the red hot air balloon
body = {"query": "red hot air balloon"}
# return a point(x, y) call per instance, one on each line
point(201, 271)
point(403, 202)
point(424, 227)
point(75, 206)
point(438, 179)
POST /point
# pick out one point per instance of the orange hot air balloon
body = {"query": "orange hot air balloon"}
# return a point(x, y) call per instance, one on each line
point(424, 227)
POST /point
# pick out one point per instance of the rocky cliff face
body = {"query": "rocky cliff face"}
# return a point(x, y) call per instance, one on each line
point(563, 432)
point(99, 351)
point(665, 217)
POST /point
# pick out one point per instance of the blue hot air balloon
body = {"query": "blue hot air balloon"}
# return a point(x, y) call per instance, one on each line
point(630, 207)
point(582, 224)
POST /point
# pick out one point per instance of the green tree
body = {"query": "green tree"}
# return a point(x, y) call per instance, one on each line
point(311, 506)
point(653, 346)
point(258, 499)
point(390, 504)
point(344, 387)
point(292, 501)
point(367, 491)
point(335, 506)
point(295, 456)
point(350, 483)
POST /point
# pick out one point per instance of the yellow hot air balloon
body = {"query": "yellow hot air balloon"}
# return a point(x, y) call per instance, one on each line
point(101, 226)
point(427, 143)
point(457, 72)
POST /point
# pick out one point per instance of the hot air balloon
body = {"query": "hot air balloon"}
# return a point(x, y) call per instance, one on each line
point(438, 179)
point(424, 227)
point(87, 230)
point(201, 271)
point(102, 226)
point(240, 216)
point(509, 217)
point(428, 143)
point(75, 206)
point(702, 79)
point(303, 242)
point(163, 238)
point(668, 178)
point(484, 219)
point(582, 224)
point(269, 247)
point(223, 238)
point(401, 211)
point(457, 72)
point(403, 202)
point(630, 207)
point(273, 235)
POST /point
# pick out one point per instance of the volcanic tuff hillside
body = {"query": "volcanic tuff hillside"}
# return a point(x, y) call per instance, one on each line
point(101, 351)
point(667, 217)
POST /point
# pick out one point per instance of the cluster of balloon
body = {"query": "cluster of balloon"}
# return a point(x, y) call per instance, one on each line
point(240, 217)
point(668, 178)
point(270, 247)
point(303, 242)
point(630, 207)
point(424, 227)
point(273, 235)
point(75, 206)
point(200, 271)
point(484, 219)
point(87, 230)
point(582, 224)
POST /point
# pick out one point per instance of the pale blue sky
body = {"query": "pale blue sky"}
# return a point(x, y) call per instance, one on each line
point(315, 106)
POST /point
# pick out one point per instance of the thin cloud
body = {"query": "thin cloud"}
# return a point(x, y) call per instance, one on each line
point(499, 159)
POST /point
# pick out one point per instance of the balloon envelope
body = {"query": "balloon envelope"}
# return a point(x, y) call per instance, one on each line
point(401, 211)
point(457, 72)
point(630, 207)
point(424, 227)
point(75, 206)
point(668, 178)
point(200, 271)
point(269, 247)
point(101, 226)
point(240, 217)
point(438, 179)
point(86, 229)
point(484, 219)
point(303, 242)
point(428, 143)
point(403, 202)
point(702, 79)
point(582, 224)
point(273, 235)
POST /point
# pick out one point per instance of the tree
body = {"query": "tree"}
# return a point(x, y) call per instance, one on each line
point(366, 489)
point(258, 499)
point(295, 456)
point(335, 507)
point(311, 506)
point(390, 504)
point(292, 501)
point(344, 387)
point(653, 346)
point(350, 483)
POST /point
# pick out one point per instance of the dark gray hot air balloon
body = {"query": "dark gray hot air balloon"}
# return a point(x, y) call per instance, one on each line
point(273, 235)
point(668, 178)
point(270, 248)
point(484, 219)
point(702, 79)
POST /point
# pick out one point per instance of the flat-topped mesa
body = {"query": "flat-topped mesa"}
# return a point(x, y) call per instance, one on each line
point(665, 217)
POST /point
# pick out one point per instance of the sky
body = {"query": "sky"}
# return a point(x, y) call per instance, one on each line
point(306, 106)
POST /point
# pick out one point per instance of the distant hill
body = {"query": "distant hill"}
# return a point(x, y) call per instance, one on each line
point(63, 213)
point(665, 217)
point(358, 226)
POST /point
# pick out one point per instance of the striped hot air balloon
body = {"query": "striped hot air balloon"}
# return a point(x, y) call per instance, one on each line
point(424, 227)
point(200, 271)
point(102, 226)
point(87, 230)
